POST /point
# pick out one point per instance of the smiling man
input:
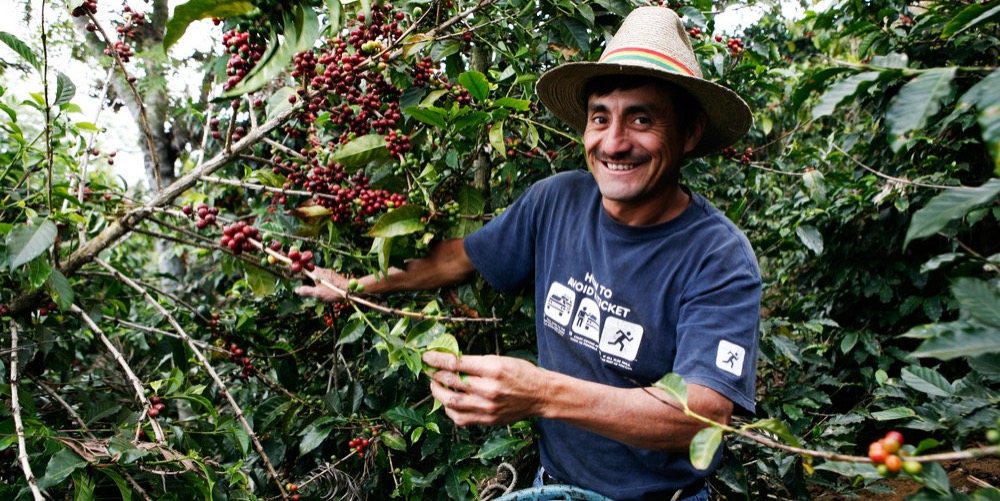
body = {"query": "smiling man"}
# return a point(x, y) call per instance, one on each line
point(634, 276)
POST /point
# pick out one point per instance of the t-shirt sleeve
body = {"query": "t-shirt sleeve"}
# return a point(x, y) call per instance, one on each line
point(719, 323)
point(503, 249)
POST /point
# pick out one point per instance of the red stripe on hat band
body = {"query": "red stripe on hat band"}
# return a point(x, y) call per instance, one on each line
point(659, 59)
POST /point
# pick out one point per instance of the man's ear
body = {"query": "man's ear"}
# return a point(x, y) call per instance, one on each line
point(694, 132)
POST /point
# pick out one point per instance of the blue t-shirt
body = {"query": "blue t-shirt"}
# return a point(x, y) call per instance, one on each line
point(623, 306)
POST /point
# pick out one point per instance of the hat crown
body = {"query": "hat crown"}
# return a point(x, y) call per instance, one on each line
point(654, 38)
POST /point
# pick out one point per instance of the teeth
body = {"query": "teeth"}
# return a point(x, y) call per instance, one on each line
point(619, 167)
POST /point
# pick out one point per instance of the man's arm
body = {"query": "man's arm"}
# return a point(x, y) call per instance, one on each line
point(493, 390)
point(446, 264)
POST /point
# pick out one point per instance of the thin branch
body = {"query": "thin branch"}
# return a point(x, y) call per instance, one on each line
point(49, 150)
point(15, 405)
point(136, 384)
point(223, 389)
point(831, 456)
point(143, 119)
point(886, 176)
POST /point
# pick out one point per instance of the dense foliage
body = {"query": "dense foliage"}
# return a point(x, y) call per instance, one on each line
point(153, 346)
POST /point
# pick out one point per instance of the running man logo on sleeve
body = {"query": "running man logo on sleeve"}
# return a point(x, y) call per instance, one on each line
point(730, 358)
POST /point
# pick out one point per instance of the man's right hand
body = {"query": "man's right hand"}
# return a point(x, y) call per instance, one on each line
point(322, 292)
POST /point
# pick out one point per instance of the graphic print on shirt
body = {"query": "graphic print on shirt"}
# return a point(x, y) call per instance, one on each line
point(730, 357)
point(559, 307)
point(587, 323)
point(617, 341)
point(620, 342)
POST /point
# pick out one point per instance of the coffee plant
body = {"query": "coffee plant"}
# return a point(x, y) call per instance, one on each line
point(154, 347)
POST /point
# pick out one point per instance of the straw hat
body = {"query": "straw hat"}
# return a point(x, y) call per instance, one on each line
point(652, 41)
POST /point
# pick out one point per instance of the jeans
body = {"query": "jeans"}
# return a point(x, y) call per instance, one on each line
point(701, 495)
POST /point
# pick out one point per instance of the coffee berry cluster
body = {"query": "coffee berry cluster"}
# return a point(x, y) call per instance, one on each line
point(156, 406)
point(238, 237)
point(293, 491)
point(204, 215)
point(85, 8)
point(887, 455)
point(360, 444)
point(745, 158)
point(240, 357)
point(244, 52)
point(300, 260)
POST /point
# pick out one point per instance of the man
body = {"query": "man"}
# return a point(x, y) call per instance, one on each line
point(671, 284)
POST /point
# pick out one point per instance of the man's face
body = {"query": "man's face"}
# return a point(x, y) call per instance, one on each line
point(634, 150)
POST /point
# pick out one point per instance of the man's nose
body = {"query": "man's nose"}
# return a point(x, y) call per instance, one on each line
point(616, 140)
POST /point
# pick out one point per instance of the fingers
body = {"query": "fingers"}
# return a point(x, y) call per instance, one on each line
point(320, 291)
point(467, 364)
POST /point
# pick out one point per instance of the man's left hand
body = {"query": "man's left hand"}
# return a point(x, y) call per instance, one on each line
point(488, 390)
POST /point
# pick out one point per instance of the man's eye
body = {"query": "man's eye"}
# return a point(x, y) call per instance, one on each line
point(643, 120)
point(597, 119)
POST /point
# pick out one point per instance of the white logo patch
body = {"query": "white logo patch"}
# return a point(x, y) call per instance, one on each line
point(730, 358)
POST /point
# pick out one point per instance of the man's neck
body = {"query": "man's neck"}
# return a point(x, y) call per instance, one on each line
point(661, 210)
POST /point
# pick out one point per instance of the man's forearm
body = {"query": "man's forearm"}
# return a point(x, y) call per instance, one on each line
point(446, 264)
point(632, 415)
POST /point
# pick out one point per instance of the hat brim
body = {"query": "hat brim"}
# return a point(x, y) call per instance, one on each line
point(729, 118)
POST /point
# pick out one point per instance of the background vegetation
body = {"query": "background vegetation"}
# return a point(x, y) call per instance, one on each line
point(153, 348)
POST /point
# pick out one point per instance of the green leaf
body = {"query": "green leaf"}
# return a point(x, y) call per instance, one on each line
point(894, 413)
point(123, 488)
point(65, 89)
point(514, 104)
point(60, 466)
point(83, 486)
point(500, 446)
point(361, 151)
point(812, 83)
point(675, 386)
point(778, 428)
point(864, 470)
point(393, 440)
point(60, 289)
point(951, 204)
point(445, 343)
point(704, 446)
point(496, 138)
point(936, 478)
point(841, 91)
point(470, 203)
point(301, 32)
point(334, 12)
point(978, 299)
point(815, 183)
point(476, 83)
point(970, 17)
point(26, 242)
point(927, 380)
point(917, 101)
point(435, 117)
point(21, 49)
point(314, 434)
point(353, 331)
point(985, 96)
point(125, 449)
point(194, 10)
point(399, 221)
point(405, 416)
point(950, 340)
point(810, 237)
point(262, 282)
